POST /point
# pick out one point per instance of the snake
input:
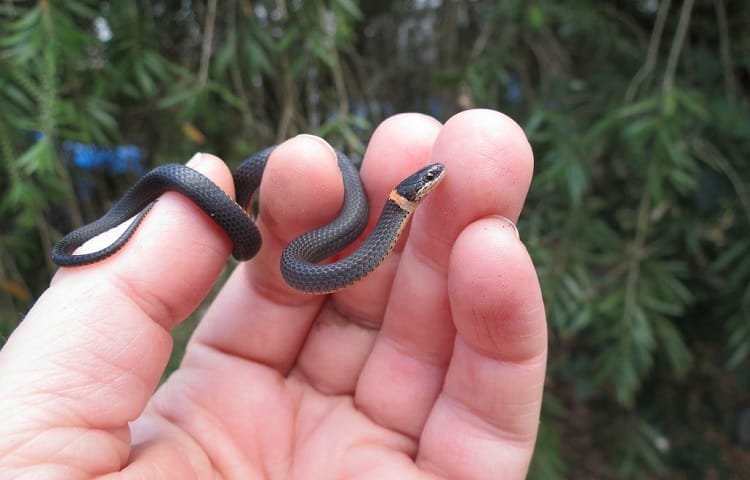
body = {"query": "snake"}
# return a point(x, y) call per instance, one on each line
point(302, 260)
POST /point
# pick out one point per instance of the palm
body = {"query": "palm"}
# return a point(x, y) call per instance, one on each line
point(284, 428)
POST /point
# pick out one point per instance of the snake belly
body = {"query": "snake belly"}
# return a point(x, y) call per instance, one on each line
point(299, 260)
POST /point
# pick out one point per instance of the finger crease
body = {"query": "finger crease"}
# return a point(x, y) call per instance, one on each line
point(350, 318)
point(476, 418)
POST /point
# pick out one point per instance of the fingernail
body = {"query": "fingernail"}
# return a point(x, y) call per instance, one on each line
point(508, 224)
point(195, 160)
point(317, 139)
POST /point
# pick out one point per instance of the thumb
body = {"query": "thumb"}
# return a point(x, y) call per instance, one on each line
point(88, 355)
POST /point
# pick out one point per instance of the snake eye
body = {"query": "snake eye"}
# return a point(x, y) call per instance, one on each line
point(429, 176)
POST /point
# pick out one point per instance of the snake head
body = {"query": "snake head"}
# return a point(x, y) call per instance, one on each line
point(416, 186)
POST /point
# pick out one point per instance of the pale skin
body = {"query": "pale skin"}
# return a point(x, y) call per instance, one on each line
point(431, 367)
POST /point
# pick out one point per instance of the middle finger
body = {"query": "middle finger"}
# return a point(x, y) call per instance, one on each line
point(342, 337)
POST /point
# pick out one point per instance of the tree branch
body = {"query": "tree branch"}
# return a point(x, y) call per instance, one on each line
point(652, 52)
point(677, 44)
point(725, 47)
point(208, 36)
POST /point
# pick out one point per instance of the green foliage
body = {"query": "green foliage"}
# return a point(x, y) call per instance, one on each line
point(639, 214)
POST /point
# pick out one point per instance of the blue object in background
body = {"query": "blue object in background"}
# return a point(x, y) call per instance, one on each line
point(514, 90)
point(120, 159)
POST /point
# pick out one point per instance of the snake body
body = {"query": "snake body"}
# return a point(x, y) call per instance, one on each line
point(300, 265)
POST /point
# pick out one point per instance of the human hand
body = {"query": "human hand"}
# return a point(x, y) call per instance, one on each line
point(432, 366)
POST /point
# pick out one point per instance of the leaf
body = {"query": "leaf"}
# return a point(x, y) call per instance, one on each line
point(144, 80)
point(81, 9)
point(29, 21)
point(317, 45)
point(728, 257)
point(192, 133)
point(350, 7)
point(156, 65)
point(739, 342)
point(674, 346)
point(577, 181)
point(225, 54)
point(642, 107)
point(257, 59)
point(101, 112)
point(15, 94)
point(287, 39)
point(179, 95)
point(34, 158)
point(638, 130)
point(693, 103)
point(225, 94)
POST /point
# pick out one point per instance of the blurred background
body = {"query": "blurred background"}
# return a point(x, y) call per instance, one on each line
point(638, 218)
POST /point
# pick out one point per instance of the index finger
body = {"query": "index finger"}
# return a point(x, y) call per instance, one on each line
point(87, 357)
